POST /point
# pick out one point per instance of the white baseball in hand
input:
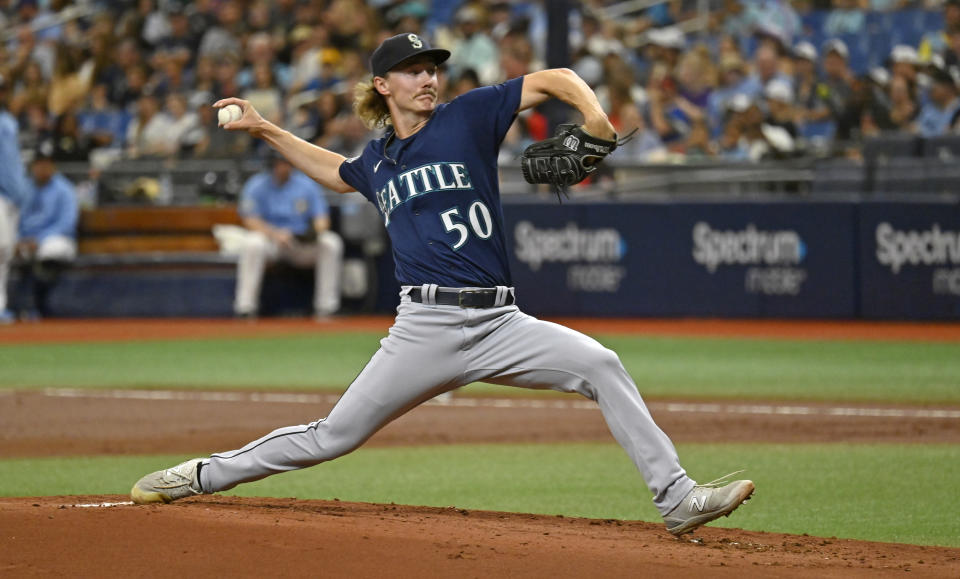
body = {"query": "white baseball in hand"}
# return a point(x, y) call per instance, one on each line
point(228, 114)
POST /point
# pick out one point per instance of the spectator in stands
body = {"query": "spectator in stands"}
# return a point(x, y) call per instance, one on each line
point(670, 114)
point(183, 120)
point(696, 78)
point(935, 117)
point(732, 76)
point(472, 46)
point(732, 145)
point(35, 127)
point(306, 57)
point(835, 89)
point(903, 105)
point(780, 111)
point(466, 81)
point(207, 141)
point(224, 38)
point(287, 218)
point(135, 85)
point(936, 42)
point(14, 193)
point(69, 144)
point(951, 55)
point(265, 94)
point(30, 88)
point(204, 77)
point(845, 18)
point(48, 229)
point(805, 78)
point(101, 123)
point(71, 81)
point(766, 68)
point(645, 146)
point(261, 54)
point(876, 117)
point(180, 43)
point(147, 132)
point(662, 53)
point(116, 75)
point(226, 71)
point(697, 144)
point(771, 15)
point(903, 62)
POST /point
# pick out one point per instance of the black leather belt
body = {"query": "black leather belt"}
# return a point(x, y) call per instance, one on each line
point(465, 298)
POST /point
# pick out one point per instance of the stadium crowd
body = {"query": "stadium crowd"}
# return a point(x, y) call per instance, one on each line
point(135, 78)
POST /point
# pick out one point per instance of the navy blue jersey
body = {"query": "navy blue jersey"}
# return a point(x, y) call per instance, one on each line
point(439, 193)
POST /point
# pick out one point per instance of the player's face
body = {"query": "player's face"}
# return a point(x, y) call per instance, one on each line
point(413, 85)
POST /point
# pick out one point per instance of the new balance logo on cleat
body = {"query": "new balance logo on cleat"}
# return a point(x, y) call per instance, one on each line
point(707, 502)
point(698, 502)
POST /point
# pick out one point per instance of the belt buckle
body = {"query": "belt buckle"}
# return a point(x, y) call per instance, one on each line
point(462, 293)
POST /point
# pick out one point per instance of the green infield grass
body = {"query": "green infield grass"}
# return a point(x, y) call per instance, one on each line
point(676, 367)
point(852, 491)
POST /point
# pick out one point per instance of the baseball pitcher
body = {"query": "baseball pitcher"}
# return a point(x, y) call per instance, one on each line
point(433, 177)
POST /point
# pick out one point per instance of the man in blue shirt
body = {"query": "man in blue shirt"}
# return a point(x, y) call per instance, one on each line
point(287, 218)
point(433, 177)
point(936, 115)
point(48, 231)
point(13, 194)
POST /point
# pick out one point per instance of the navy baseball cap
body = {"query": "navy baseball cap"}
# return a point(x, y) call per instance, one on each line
point(401, 47)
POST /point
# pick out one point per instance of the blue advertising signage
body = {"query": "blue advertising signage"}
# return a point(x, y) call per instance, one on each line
point(910, 260)
point(693, 259)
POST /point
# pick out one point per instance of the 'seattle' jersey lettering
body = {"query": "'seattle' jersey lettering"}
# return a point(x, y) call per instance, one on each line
point(439, 193)
point(425, 179)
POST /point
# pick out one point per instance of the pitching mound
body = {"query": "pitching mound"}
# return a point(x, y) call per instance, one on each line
point(242, 537)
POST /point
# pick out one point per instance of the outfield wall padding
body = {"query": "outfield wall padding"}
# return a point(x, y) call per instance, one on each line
point(744, 259)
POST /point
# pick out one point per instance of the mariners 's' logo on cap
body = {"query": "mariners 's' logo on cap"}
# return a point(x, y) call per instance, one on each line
point(415, 41)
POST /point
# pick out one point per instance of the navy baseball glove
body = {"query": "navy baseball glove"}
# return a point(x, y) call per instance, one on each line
point(565, 159)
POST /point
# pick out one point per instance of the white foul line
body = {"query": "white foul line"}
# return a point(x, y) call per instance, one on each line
point(102, 505)
point(678, 407)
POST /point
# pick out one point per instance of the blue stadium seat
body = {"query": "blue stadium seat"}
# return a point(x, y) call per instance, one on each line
point(441, 11)
point(908, 27)
point(859, 46)
point(813, 21)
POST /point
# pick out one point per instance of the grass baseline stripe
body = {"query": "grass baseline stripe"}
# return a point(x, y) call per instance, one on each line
point(511, 403)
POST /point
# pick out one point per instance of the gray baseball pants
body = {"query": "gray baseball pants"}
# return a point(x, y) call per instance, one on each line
point(432, 349)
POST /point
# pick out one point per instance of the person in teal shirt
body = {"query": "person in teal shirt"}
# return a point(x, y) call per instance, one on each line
point(287, 218)
point(48, 232)
point(13, 194)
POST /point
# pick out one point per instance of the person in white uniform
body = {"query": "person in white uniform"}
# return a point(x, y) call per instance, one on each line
point(287, 218)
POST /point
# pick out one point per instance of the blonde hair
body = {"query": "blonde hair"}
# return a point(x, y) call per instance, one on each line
point(370, 105)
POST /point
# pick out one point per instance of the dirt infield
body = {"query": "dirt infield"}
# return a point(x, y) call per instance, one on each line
point(66, 422)
point(233, 537)
point(225, 536)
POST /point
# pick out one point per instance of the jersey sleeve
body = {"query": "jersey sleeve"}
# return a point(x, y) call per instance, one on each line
point(353, 173)
point(492, 107)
